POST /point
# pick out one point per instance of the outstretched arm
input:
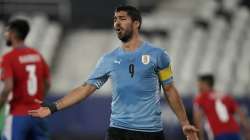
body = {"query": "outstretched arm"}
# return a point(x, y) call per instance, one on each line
point(75, 96)
point(175, 102)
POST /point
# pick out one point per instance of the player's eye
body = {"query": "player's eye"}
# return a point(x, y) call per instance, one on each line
point(114, 19)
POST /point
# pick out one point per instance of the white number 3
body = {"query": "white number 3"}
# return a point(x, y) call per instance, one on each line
point(221, 111)
point(32, 80)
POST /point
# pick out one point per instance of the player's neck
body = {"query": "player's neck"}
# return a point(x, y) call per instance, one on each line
point(132, 44)
point(17, 43)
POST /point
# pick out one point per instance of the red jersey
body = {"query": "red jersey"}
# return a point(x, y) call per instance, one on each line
point(0, 68)
point(1, 84)
point(219, 112)
point(29, 72)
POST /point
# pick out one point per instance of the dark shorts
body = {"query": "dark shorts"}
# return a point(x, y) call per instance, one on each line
point(123, 134)
point(230, 136)
point(24, 128)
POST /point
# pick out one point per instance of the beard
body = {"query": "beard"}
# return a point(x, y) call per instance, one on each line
point(8, 43)
point(126, 36)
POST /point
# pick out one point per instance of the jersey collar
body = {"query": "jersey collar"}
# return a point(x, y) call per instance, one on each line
point(137, 49)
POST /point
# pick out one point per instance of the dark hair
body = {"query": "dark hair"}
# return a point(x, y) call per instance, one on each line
point(208, 78)
point(132, 12)
point(20, 27)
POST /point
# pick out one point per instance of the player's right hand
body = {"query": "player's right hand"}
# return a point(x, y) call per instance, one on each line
point(190, 132)
point(41, 112)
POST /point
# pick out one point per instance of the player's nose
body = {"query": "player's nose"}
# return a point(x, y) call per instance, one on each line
point(117, 24)
point(6, 34)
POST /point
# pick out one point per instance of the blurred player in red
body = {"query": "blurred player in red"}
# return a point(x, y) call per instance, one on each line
point(26, 75)
point(218, 112)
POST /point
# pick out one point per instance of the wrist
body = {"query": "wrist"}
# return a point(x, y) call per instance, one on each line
point(52, 107)
point(184, 123)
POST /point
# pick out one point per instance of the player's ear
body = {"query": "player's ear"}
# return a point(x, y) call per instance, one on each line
point(137, 24)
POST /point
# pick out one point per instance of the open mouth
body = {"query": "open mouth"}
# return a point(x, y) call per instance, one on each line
point(118, 30)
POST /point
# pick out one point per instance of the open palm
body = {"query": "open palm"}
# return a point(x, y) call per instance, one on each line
point(41, 112)
point(190, 132)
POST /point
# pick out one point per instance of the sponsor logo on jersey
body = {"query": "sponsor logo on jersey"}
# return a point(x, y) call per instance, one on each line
point(117, 61)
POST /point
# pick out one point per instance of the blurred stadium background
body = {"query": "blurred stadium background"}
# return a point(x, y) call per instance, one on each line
point(201, 36)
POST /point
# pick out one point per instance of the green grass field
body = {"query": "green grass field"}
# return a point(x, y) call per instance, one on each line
point(2, 117)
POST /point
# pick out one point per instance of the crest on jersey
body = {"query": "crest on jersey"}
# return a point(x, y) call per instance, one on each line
point(145, 59)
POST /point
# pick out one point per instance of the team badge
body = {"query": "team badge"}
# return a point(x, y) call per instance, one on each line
point(145, 59)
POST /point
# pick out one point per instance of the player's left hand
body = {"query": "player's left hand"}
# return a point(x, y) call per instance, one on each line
point(190, 132)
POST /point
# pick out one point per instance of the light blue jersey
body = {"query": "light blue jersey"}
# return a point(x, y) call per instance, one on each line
point(136, 78)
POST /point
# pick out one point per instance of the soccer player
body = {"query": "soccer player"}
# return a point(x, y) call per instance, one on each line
point(137, 70)
point(26, 75)
point(218, 111)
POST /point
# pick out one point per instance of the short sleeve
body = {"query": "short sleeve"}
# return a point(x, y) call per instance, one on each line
point(100, 74)
point(6, 71)
point(164, 68)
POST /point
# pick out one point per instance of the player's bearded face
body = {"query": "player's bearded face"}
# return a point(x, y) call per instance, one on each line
point(123, 26)
point(125, 34)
